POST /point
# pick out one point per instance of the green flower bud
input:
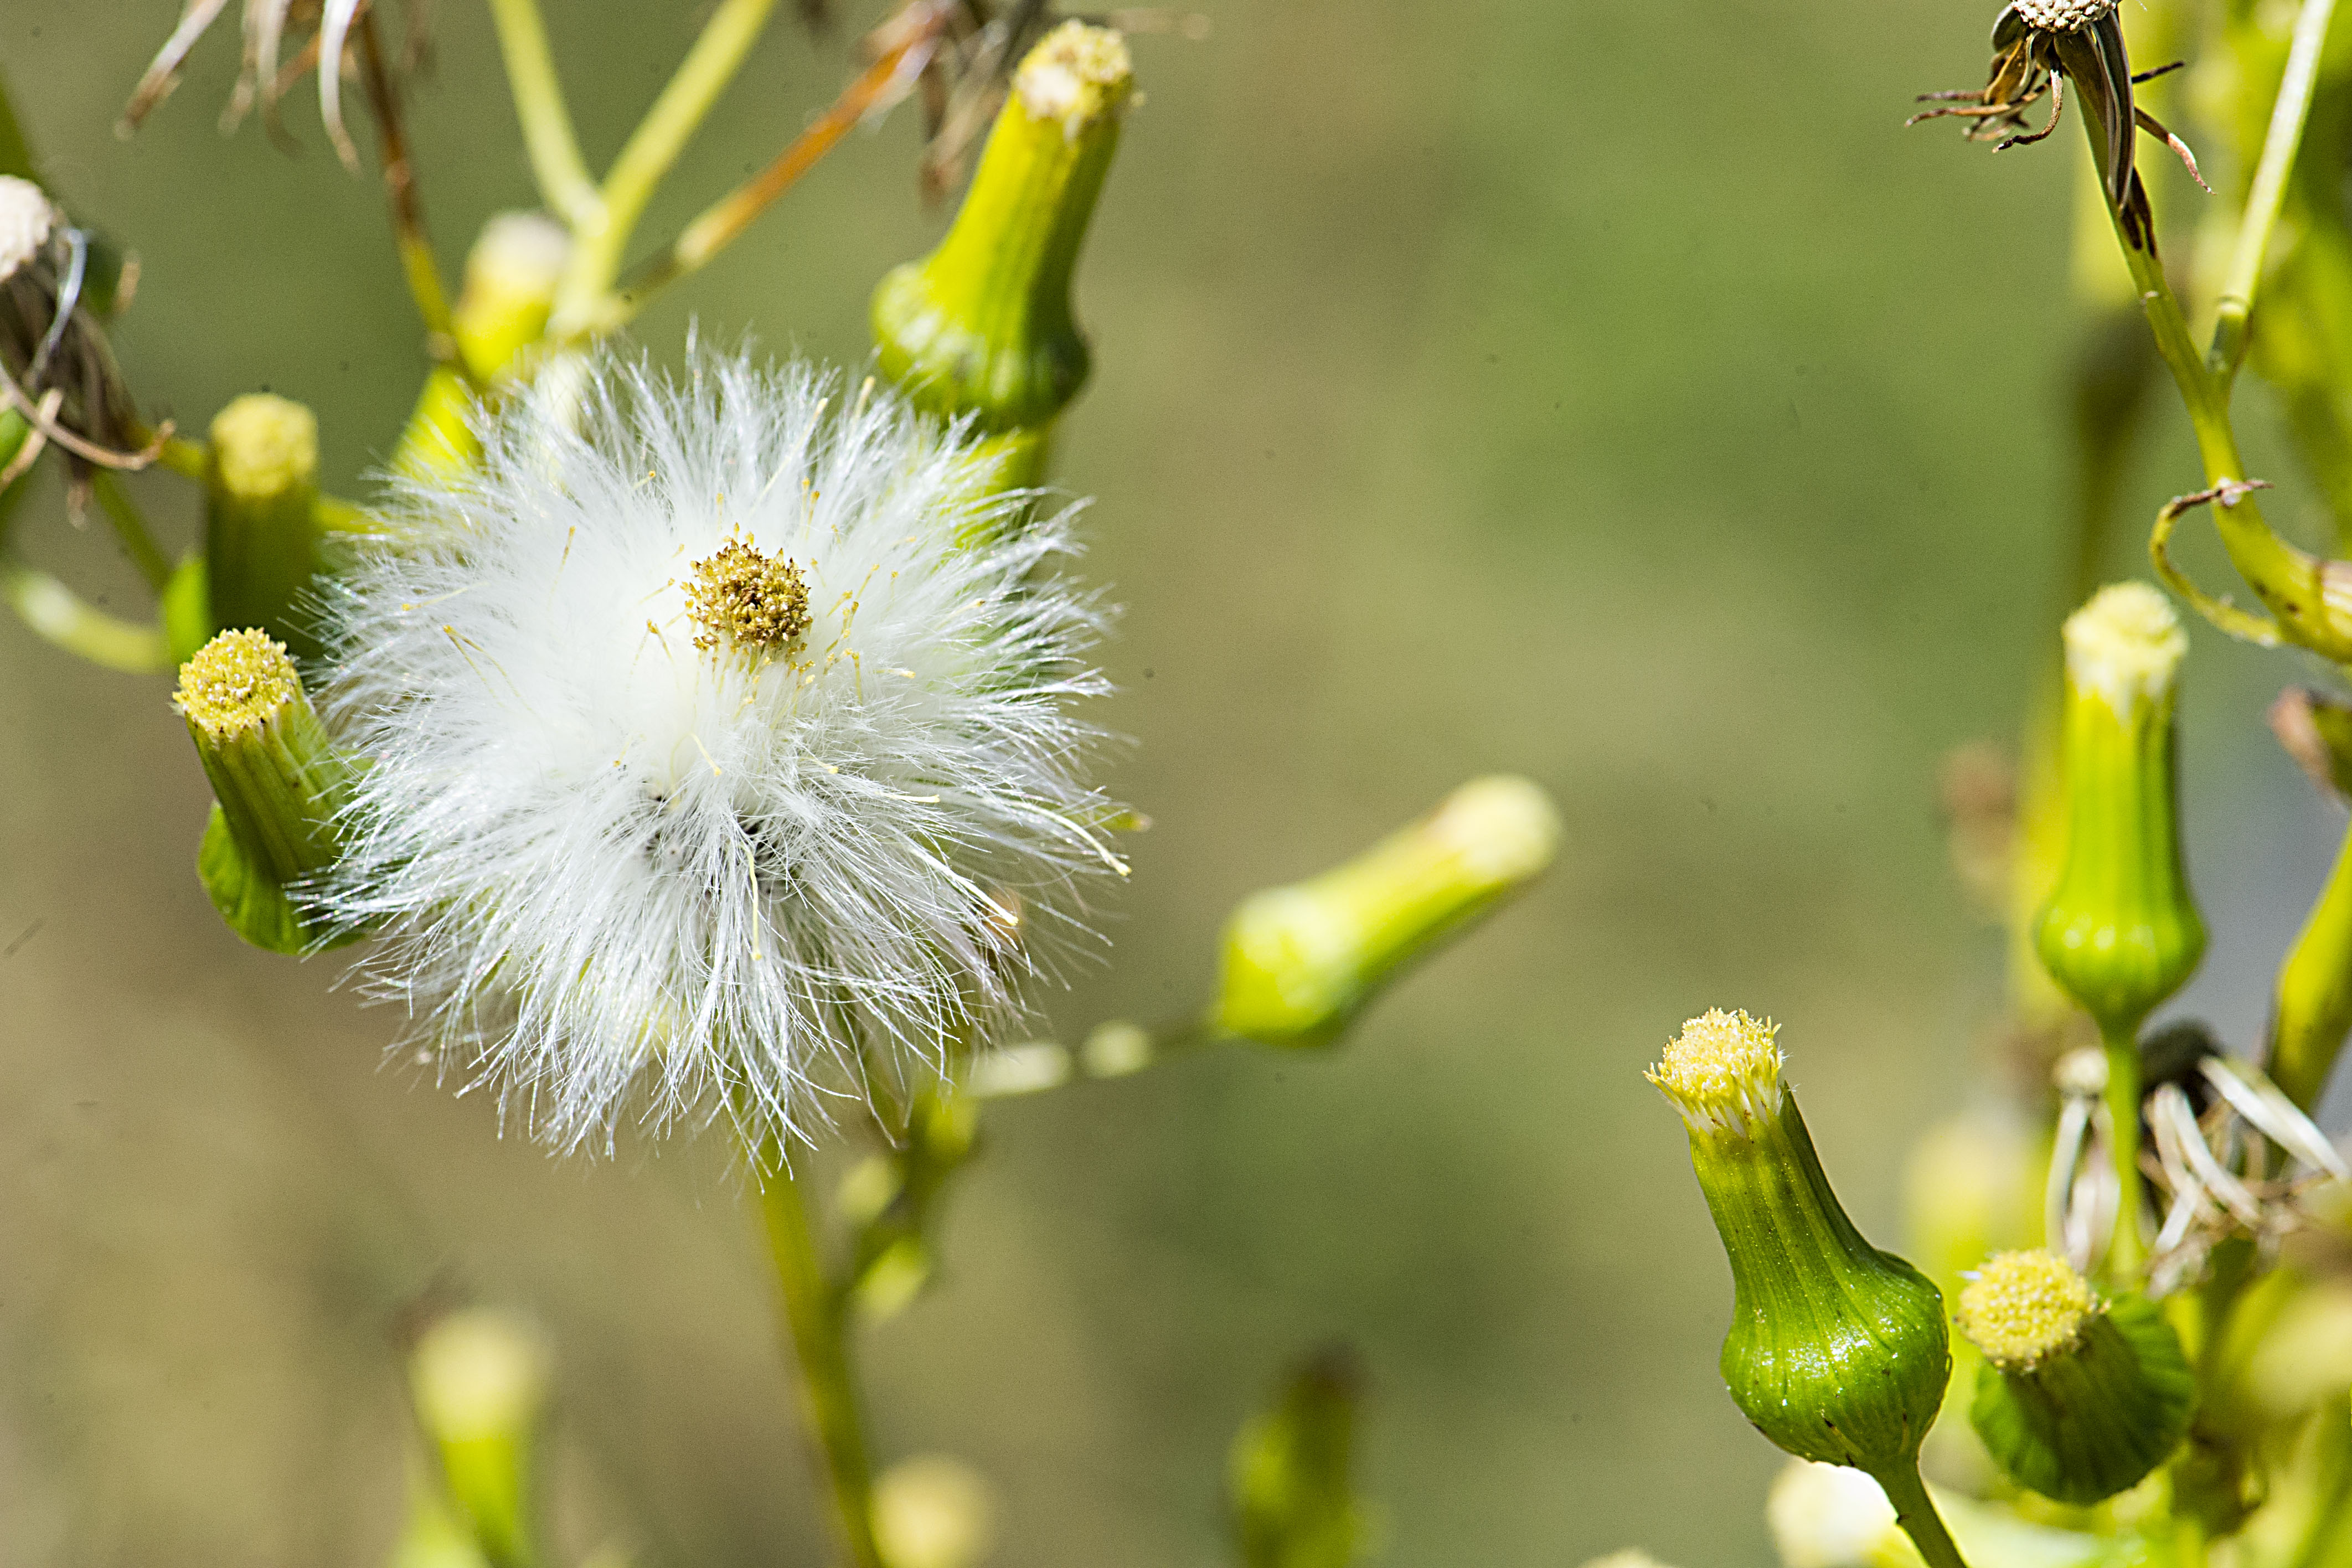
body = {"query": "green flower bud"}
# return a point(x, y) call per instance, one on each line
point(982, 327)
point(1837, 1350)
point(2121, 931)
point(510, 279)
point(2311, 1007)
point(1288, 1475)
point(2079, 1397)
point(261, 526)
point(277, 786)
point(1299, 962)
point(479, 1379)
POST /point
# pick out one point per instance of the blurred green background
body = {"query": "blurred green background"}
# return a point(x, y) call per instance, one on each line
point(1609, 394)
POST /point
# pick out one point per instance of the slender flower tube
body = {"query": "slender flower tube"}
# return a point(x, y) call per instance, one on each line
point(278, 785)
point(1837, 1350)
point(2121, 931)
point(702, 755)
point(1301, 961)
point(261, 524)
point(982, 328)
point(2079, 1396)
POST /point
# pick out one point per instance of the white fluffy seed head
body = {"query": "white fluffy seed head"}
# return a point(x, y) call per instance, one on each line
point(619, 871)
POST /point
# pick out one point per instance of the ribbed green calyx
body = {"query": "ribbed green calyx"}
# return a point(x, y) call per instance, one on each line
point(1837, 1350)
point(277, 784)
point(1299, 962)
point(2120, 932)
point(261, 523)
point(479, 1379)
point(983, 326)
point(2079, 1396)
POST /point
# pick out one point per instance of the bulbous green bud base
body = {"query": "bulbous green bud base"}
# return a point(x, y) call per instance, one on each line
point(2080, 1426)
point(1838, 1352)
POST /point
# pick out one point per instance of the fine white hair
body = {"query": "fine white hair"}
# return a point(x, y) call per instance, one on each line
point(619, 874)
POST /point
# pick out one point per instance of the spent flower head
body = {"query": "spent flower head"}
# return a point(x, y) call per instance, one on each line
point(1722, 1072)
point(702, 754)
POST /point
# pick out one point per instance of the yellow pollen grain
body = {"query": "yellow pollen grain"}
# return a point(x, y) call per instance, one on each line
point(754, 602)
point(2023, 1306)
point(237, 682)
point(1719, 1060)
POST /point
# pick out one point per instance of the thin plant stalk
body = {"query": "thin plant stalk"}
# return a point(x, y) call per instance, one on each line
point(817, 1331)
point(725, 220)
point(130, 527)
point(554, 147)
point(1915, 1510)
point(59, 614)
point(2124, 1252)
point(417, 262)
point(2290, 112)
point(726, 38)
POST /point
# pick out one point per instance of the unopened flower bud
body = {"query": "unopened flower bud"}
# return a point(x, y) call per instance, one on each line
point(2311, 1009)
point(1837, 1350)
point(983, 326)
point(277, 786)
point(2121, 931)
point(479, 1379)
point(931, 1513)
point(510, 279)
point(1300, 961)
point(1288, 1476)
point(261, 524)
point(2080, 1396)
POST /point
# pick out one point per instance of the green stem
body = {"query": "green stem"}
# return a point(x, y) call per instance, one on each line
point(1915, 1510)
point(547, 133)
point(814, 1320)
point(2125, 1253)
point(59, 614)
point(2290, 112)
point(647, 155)
point(15, 153)
point(131, 528)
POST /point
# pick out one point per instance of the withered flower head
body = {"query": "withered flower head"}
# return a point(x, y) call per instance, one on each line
point(2040, 46)
point(55, 282)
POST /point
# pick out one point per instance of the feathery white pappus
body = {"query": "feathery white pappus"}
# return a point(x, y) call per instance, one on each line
point(721, 733)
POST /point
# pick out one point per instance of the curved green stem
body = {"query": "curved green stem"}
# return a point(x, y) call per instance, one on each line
point(817, 1333)
point(1915, 1510)
point(547, 135)
point(61, 615)
point(647, 155)
point(2311, 1011)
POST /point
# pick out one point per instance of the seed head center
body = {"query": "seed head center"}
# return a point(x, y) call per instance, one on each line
point(753, 602)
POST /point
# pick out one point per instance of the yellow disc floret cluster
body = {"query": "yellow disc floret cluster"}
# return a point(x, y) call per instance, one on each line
point(1722, 1072)
point(237, 682)
point(2025, 1307)
point(1075, 74)
point(757, 602)
point(2126, 645)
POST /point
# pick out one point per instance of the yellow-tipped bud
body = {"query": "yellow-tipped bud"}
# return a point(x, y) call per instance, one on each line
point(478, 1379)
point(261, 524)
point(2025, 1307)
point(1837, 1350)
point(2080, 1396)
point(1299, 962)
point(277, 782)
point(2121, 931)
point(983, 326)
